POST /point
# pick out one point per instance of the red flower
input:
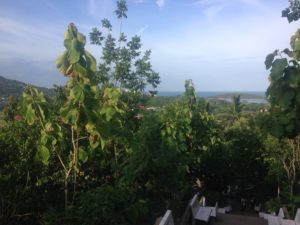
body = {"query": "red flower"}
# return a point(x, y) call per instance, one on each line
point(18, 117)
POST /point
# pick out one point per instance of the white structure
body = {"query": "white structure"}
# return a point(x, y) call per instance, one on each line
point(200, 213)
point(292, 222)
point(167, 219)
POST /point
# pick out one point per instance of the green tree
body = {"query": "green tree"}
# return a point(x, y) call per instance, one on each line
point(236, 107)
point(75, 130)
point(283, 93)
point(190, 94)
point(123, 65)
point(292, 13)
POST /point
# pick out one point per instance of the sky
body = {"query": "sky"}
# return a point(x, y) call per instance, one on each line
point(220, 44)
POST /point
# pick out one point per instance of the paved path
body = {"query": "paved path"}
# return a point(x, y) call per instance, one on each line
point(239, 219)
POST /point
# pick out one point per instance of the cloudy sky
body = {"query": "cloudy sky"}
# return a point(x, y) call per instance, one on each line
point(219, 44)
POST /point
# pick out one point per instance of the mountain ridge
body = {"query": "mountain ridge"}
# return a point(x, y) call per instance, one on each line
point(14, 88)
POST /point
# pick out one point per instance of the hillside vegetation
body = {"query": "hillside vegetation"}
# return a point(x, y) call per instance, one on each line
point(14, 88)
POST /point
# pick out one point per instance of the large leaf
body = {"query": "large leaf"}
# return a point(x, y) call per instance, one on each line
point(286, 99)
point(278, 67)
point(73, 52)
point(297, 45)
point(43, 154)
point(77, 93)
point(82, 155)
point(62, 63)
point(293, 76)
point(30, 114)
point(72, 116)
point(269, 60)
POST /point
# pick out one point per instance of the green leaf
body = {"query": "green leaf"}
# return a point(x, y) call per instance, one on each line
point(288, 52)
point(293, 76)
point(286, 99)
point(297, 45)
point(81, 38)
point(48, 127)
point(44, 138)
point(54, 141)
point(90, 127)
point(109, 112)
point(278, 67)
point(77, 93)
point(102, 142)
point(269, 60)
point(43, 154)
point(82, 155)
point(67, 43)
point(30, 115)
point(94, 139)
point(73, 53)
point(62, 63)
point(79, 69)
point(72, 116)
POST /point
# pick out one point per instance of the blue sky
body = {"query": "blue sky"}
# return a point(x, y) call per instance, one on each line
point(219, 44)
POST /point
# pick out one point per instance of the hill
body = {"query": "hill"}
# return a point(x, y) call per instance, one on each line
point(10, 87)
point(15, 88)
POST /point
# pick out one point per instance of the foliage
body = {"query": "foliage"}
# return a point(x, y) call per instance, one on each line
point(292, 13)
point(236, 106)
point(247, 166)
point(273, 205)
point(20, 194)
point(122, 64)
point(103, 205)
point(283, 91)
point(156, 169)
point(283, 121)
point(190, 93)
point(79, 118)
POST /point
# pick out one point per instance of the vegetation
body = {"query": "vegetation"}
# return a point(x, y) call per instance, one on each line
point(100, 151)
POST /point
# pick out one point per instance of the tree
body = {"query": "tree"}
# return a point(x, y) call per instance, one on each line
point(123, 65)
point(292, 13)
point(236, 107)
point(287, 153)
point(74, 128)
point(190, 94)
point(283, 94)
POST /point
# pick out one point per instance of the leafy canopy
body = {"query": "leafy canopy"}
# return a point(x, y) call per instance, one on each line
point(122, 63)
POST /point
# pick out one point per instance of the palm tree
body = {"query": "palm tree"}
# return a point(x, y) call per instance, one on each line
point(236, 107)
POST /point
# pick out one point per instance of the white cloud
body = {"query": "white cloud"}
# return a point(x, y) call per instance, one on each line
point(39, 41)
point(142, 30)
point(160, 3)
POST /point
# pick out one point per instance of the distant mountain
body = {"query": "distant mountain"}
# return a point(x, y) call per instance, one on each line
point(15, 88)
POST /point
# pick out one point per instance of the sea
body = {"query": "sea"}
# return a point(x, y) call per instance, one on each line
point(206, 94)
point(258, 96)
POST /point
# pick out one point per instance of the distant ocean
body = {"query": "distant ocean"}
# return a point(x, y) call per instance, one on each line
point(247, 96)
point(206, 94)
